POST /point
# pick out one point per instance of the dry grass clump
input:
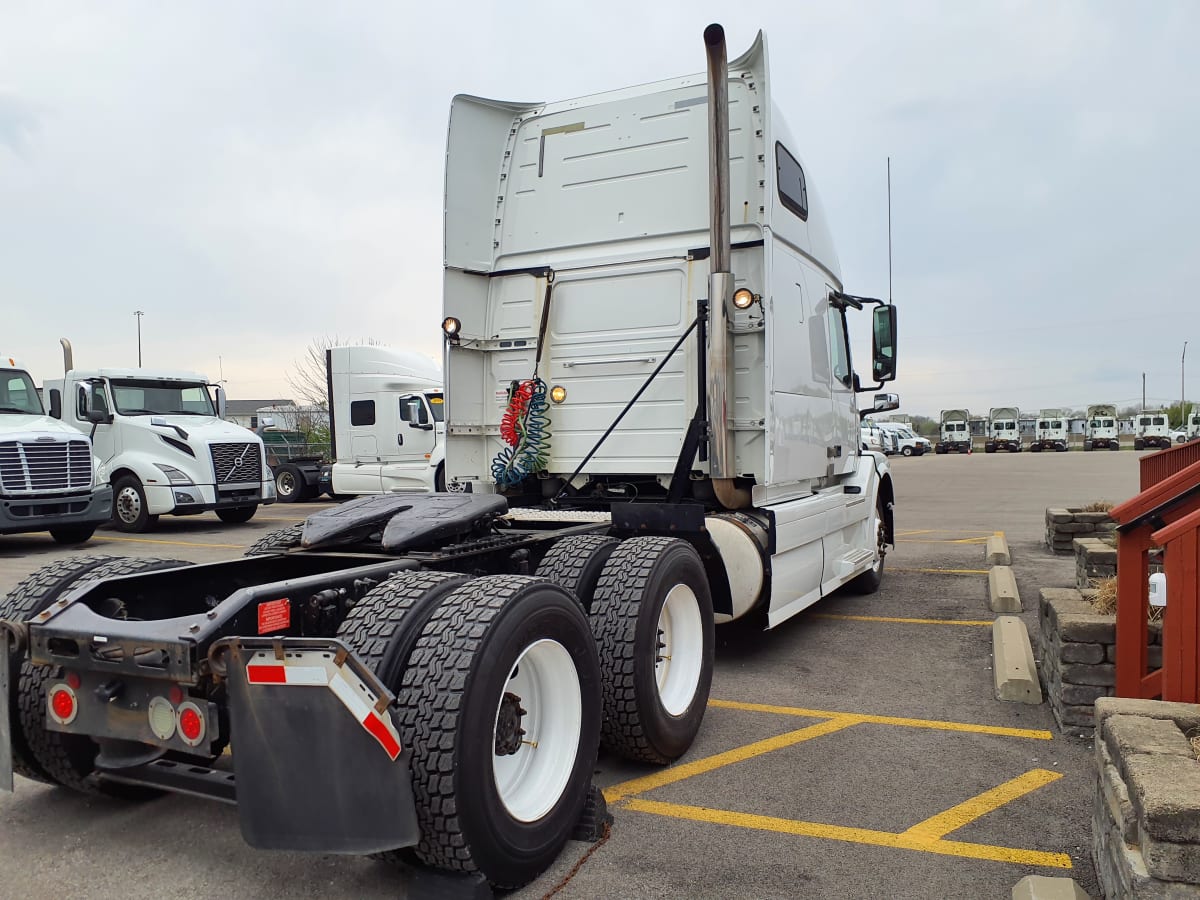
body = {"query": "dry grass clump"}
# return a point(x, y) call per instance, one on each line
point(1195, 742)
point(1104, 602)
point(1098, 506)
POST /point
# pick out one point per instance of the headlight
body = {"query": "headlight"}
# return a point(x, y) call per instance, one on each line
point(173, 474)
point(742, 298)
point(451, 326)
point(101, 470)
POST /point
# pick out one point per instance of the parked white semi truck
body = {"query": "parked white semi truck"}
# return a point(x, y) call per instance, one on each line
point(1101, 430)
point(1193, 426)
point(1003, 430)
point(1151, 428)
point(655, 426)
point(387, 421)
point(954, 435)
point(47, 470)
point(161, 439)
point(1051, 432)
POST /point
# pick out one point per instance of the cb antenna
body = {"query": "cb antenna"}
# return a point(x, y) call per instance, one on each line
point(889, 192)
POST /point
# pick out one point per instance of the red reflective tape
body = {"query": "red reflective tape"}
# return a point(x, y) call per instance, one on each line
point(378, 731)
point(266, 674)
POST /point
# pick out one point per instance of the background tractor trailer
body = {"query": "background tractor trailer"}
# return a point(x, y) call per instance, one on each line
point(1151, 428)
point(954, 435)
point(436, 672)
point(1003, 430)
point(164, 447)
point(386, 426)
point(1051, 431)
point(47, 470)
point(1100, 430)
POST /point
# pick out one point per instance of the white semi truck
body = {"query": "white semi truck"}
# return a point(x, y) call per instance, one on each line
point(387, 421)
point(1003, 430)
point(1101, 430)
point(1151, 428)
point(1051, 431)
point(655, 426)
point(164, 446)
point(1193, 426)
point(954, 435)
point(47, 470)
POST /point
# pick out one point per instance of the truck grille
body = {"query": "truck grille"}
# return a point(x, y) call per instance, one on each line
point(236, 463)
point(45, 466)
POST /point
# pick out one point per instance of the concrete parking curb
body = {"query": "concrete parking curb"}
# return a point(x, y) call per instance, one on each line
point(1041, 887)
point(1013, 669)
point(997, 551)
point(1003, 596)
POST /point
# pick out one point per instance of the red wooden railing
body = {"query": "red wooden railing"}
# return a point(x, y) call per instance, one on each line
point(1166, 513)
point(1165, 463)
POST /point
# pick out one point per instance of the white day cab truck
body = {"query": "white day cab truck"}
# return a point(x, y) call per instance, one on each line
point(1003, 430)
point(1051, 431)
point(954, 435)
point(1151, 428)
point(1100, 430)
point(430, 676)
point(386, 424)
point(47, 470)
point(163, 444)
point(1193, 427)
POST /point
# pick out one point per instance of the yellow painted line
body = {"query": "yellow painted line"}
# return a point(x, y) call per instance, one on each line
point(852, 835)
point(172, 543)
point(934, 724)
point(971, 540)
point(911, 533)
point(975, 623)
point(937, 827)
point(941, 571)
point(729, 757)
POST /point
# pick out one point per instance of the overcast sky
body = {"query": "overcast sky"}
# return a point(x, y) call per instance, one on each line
point(257, 175)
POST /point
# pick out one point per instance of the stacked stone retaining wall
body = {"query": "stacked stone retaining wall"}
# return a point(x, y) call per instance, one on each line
point(1064, 524)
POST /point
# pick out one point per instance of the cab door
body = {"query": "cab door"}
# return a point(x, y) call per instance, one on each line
point(408, 469)
point(841, 384)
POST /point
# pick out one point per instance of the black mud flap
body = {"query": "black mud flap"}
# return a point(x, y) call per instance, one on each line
point(407, 520)
point(14, 638)
point(316, 754)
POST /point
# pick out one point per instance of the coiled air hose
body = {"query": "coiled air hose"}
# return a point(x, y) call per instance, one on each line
point(525, 430)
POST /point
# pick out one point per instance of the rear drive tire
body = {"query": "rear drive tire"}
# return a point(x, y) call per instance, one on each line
point(1114, 445)
point(276, 541)
point(1139, 444)
point(130, 511)
point(289, 484)
point(652, 617)
point(1087, 446)
point(25, 601)
point(500, 704)
point(73, 535)
point(236, 515)
point(576, 563)
point(69, 759)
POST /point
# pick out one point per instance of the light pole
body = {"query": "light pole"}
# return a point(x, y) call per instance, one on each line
point(139, 314)
point(1182, 388)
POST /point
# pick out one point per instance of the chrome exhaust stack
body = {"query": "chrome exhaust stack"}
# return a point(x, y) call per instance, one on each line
point(68, 356)
point(720, 279)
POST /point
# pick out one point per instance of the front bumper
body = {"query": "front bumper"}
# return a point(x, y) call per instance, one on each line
point(26, 514)
point(191, 499)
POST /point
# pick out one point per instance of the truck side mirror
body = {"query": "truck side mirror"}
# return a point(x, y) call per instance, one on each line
point(220, 402)
point(88, 410)
point(97, 416)
point(55, 403)
point(883, 344)
point(886, 402)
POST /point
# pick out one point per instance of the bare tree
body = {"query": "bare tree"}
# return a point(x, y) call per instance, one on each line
point(308, 379)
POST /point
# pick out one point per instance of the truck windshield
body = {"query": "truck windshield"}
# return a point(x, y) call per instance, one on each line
point(154, 397)
point(18, 396)
point(437, 404)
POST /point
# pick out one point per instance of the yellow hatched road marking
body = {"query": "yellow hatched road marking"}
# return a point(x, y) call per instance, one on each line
point(972, 540)
point(172, 543)
point(729, 757)
point(937, 827)
point(971, 622)
point(934, 724)
point(903, 841)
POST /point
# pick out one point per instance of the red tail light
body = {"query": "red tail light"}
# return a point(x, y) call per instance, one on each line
point(62, 704)
point(191, 724)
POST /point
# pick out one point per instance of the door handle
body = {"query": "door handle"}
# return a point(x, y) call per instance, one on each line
point(399, 440)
